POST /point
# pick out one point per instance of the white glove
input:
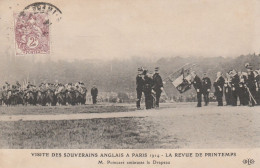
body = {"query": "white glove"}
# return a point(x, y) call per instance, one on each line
point(208, 90)
point(233, 89)
point(161, 88)
point(220, 89)
point(198, 90)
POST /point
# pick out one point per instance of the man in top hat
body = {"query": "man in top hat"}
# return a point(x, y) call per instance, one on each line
point(250, 83)
point(157, 86)
point(206, 86)
point(219, 84)
point(147, 89)
point(197, 84)
point(139, 87)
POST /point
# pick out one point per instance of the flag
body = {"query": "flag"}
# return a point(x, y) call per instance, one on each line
point(181, 80)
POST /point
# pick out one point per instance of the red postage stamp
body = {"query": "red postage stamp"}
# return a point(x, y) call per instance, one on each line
point(32, 33)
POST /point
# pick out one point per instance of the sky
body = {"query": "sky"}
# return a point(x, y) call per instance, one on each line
point(108, 29)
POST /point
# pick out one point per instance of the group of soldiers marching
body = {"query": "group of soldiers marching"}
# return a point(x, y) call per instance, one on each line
point(151, 85)
point(46, 93)
point(242, 86)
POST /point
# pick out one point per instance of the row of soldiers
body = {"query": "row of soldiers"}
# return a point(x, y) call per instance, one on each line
point(151, 85)
point(242, 86)
point(56, 87)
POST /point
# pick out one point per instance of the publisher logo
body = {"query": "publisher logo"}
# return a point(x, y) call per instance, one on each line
point(248, 161)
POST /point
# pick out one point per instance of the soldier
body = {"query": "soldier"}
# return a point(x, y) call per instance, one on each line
point(227, 89)
point(18, 85)
point(257, 79)
point(148, 82)
point(250, 84)
point(197, 84)
point(94, 94)
point(7, 85)
point(219, 84)
point(242, 92)
point(139, 87)
point(234, 87)
point(206, 86)
point(157, 86)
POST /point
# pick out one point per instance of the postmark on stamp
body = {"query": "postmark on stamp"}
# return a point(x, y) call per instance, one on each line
point(53, 12)
point(32, 33)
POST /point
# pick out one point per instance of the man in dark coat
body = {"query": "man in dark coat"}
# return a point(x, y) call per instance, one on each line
point(206, 86)
point(197, 84)
point(94, 93)
point(139, 87)
point(219, 84)
point(234, 86)
point(148, 82)
point(157, 86)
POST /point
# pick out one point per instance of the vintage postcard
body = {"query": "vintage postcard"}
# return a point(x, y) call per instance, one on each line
point(129, 83)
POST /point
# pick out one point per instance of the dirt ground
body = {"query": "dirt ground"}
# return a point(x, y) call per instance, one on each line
point(178, 126)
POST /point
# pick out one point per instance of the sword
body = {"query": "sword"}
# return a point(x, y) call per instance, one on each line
point(251, 96)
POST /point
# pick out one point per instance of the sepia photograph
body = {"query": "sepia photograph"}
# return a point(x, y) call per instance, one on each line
point(130, 74)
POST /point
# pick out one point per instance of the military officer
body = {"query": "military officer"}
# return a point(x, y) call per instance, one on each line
point(227, 89)
point(157, 86)
point(139, 87)
point(234, 86)
point(251, 84)
point(219, 84)
point(242, 92)
point(206, 86)
point(257, 80)
point(197, 84)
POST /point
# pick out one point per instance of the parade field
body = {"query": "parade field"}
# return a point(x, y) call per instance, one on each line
point(112, 126)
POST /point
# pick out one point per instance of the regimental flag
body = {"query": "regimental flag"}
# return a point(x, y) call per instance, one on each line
point(181, 79)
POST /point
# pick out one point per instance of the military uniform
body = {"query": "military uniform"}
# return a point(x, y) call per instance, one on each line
point(197, 84)
point(234, 89)
point(219, 84)
point(251, 84)
point(242, 92)
point(157, 87)
point(139, 88)
point(206, 86)
point(227, 91)
point(94, 93)
point(148, 82)
point(257, 80)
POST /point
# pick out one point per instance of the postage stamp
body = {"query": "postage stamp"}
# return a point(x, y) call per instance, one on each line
point(32, 35)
